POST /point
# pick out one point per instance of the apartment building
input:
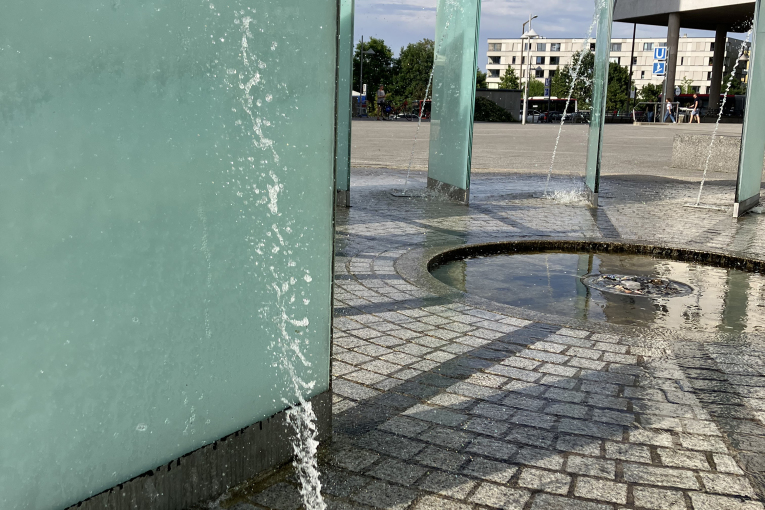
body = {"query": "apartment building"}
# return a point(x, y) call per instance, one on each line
point(694, 61)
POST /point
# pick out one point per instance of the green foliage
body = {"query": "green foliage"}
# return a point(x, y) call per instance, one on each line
point(536, 88)
point(583, 88)
point(737, 87)
point(686, 85)
point(619, 85)
point(414, 65)
point(510, 80)
point(650, 93)
point(378, 68)
point(480, 79)
point(558, 85)
point(489, 111)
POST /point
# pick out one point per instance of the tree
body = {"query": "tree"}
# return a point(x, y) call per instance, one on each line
point(619, 86)
point(415, 63)
point(378, 68)
point(558, 85)
point(686, 85)
point(536, 88)
point(480, 79)
point(737, 87)
point(650, 93)
point(509, 80)
point(583, 87)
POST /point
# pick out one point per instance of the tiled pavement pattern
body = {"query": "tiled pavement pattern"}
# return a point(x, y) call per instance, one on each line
point(444, 405)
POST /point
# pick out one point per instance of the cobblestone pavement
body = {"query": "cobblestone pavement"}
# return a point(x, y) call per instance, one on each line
point(444, 404)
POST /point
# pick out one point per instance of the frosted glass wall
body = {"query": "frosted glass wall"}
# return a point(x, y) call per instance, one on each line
point(165, 216)
point(344, 90)
point(753, 137)
point(605, 12)
point(451, 128)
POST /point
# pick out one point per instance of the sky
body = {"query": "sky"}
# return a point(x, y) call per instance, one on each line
point(400, 22)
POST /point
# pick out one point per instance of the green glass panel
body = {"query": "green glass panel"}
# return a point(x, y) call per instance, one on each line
point(344, 91)
point(605, 12)
point(753, 137)
point(451, 128)
point(166, 217)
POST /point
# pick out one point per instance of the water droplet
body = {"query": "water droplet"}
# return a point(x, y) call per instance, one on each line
point(269, 98)
point(141, 427)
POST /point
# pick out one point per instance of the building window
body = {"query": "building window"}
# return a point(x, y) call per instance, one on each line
point(552, 73)
point(554, 61)
point(540, 61)
point(495, 46)
point(696, 90)
point(711, 61)
point(493, 73)
point(541, 46)
point(513, 60)
point(634, 61)
point(540, 73)
point(642, 75)
point(682, 60)
point(615, 60)
point(592, 46)
point(711, 46)
point(526, 46)
point(554, 46)
point(494, 60)
point(616, 46)
point(662, 45)
point(523, 73)
point(523, 60)
point(647, 46)
point(709, 76)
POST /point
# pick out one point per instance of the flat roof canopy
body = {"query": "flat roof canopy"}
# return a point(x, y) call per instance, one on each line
point(735, 15)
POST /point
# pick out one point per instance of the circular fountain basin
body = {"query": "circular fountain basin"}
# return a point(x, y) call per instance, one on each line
point(620, 288)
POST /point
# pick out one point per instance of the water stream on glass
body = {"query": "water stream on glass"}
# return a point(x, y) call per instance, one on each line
point(575, 77)
point(454, 6)
point(286, 279)
point(719, 115)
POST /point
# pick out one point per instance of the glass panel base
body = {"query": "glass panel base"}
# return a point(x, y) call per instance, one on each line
point(592, 197)
point(342, 198)
point(448, 191)
point(739, 208)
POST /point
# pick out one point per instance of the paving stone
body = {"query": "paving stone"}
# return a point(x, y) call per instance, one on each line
point(547, 459)
point(666, 477)
point(492, 448)
point(546, 481)
point(352, 458)
point(395, 446)
point(579, 444)
point(580, 352)
point(526, 388)
point(563, 371)
point(403, 426)
point(661, 423)
point(571, 410)
point(452, 401)
point(497, 496)
point(398, 472)
point(608, 402)
point(523, 363)
point(437, 503)
point(353, 390)
point(710, 502)
point(591, 467)
point(543, 356)
point(602, 490)
point(683, 459)
point(448, 484)
point(558, 381)
point(385, 495)
point(550, 502)
point(588, 428)
point(533, 419)
point(530, 436)
point(642, 436)
point(281, 496)
point(365, 377)
point(492, 411)
point(626, 451)
point(437, 415)
point(486, 426)
point(449, 438)
point(490, 470)
point(658, 499)
point(704, 428)
point(565, 395)
point(726, 464)
point(727, 484)
point(441, 458)
point(340, 483)
point(615, 417)
point(703, 443)
point(585, 363)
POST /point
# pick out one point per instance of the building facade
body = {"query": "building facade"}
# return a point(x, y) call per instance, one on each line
point(547, 56)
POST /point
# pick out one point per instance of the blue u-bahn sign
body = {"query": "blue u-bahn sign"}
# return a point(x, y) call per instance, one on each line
point(659, 68)
point(660, 53)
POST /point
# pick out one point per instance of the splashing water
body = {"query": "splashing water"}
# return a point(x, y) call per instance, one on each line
point(719, 115)
point(575, 78)
point(286, 346)
point(427, 90)
point(568, 197)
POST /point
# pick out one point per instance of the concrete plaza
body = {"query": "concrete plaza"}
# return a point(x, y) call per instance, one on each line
point(447, 402)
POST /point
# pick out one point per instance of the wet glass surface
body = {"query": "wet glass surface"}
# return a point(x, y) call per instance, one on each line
point(723, 300)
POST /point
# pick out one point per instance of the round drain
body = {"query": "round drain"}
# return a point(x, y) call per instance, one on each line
point(649, 286)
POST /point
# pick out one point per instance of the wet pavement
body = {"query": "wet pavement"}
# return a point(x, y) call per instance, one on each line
point(447, 401)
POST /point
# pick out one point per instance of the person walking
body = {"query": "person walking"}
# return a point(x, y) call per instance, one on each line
point(669, 112)
point(696, 109)
point(380, 103)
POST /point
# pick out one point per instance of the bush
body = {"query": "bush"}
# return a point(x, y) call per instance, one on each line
point(489, 111)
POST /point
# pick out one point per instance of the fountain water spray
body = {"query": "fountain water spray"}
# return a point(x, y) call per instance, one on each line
point(575, 78)
point(717, 126)
point(286, 281)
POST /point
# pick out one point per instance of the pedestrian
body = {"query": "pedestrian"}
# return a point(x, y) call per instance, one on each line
point(696, 109)
point(380, 103)
point(669, 112)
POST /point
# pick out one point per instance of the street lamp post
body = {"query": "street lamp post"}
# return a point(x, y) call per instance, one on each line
point(523, 31)
point(370, 51)
point(528, 36)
